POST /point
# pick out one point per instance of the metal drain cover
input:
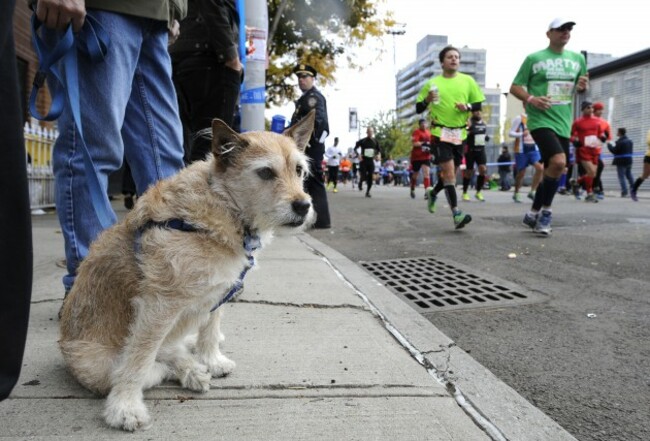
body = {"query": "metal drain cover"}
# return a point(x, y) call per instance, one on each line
point(431, 285)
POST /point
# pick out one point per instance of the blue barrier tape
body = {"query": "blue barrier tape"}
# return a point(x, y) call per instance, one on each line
point(253, 96)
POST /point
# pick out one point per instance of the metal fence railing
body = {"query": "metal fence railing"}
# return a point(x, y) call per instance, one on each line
point(39, 142)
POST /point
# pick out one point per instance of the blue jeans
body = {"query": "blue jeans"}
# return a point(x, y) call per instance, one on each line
point(625, 172)
point(128, 109)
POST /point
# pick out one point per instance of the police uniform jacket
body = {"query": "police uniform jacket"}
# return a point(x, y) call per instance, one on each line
point(313, 99)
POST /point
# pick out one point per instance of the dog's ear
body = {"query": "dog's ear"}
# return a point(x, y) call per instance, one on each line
point(225, 141)
point(301, 132)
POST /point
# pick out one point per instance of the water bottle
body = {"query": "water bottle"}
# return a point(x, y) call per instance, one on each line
point(434, 88)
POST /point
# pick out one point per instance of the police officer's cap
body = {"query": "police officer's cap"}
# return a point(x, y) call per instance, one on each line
point(304, 69)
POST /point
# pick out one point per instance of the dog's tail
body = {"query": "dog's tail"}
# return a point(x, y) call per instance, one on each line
point(90, 363)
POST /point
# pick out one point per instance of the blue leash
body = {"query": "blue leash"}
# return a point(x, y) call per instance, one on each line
point(251, 243)
point(92, 41)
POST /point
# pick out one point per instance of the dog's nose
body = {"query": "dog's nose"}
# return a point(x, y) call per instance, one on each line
point(301, 207)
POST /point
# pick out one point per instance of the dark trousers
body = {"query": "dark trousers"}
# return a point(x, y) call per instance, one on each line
point(206, 90)
point(315, 185)
point(598, 183)
point(625, 173)
point(368, 168)
point(504, 180)
point(333, 174)
point(16, 256)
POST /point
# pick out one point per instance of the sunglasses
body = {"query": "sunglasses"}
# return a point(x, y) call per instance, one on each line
point(564, 28)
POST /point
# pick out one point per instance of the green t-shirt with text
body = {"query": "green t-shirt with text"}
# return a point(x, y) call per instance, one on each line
point(461, 88)
point(547, 73)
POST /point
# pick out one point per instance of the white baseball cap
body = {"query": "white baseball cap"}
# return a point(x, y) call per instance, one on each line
point(559, 22)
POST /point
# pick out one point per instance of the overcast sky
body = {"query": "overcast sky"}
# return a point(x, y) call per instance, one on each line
point(507, 29)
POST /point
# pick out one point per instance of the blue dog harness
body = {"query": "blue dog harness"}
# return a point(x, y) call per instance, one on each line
point(251, 244)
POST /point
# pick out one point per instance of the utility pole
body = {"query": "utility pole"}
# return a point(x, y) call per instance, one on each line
point(253, 95)
point(397, 29)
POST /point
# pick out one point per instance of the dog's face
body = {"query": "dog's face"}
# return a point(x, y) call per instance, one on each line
point(263, 173)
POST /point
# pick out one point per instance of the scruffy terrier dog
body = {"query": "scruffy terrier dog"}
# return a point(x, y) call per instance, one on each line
point(140, 309)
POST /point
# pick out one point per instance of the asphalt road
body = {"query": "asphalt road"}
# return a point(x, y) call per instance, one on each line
point(589, 373)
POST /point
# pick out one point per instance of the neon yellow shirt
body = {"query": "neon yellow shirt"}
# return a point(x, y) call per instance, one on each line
point(461, 88)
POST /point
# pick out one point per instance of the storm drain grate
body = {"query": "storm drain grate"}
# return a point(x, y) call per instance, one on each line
point(431, 285)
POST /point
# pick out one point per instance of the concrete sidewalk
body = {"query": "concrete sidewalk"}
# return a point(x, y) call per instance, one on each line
point(323, 352)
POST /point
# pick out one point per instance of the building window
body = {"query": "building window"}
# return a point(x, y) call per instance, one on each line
point(633, 83)
point(607, 88)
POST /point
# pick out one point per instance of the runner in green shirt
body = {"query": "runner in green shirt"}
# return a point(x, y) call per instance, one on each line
point(546, 83)
point(449, 97)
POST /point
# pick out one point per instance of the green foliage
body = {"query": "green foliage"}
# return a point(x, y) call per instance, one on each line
point(322, 33)
point(394, 137)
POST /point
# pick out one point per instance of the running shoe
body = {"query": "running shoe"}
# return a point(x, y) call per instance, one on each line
point(544, 223)
point(479, 197)
point(517, 198)
point(530, 219)
point(335, 190)
point(591, 198)
point(431, 200)
point(531, 195)
point(460, 219)
point(465, 197)
point(575, 189)
point(633, 196)
point(412, 194)
point(600, 195)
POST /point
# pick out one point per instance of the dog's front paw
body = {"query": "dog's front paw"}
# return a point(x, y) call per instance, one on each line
point(220, 366)
point(128, 414)
point(197, 378)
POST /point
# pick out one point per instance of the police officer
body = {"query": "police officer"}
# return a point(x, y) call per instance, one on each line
point(475, 154)
point(312, 99)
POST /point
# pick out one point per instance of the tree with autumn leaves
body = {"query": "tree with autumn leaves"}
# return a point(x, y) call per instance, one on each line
point(325, 34)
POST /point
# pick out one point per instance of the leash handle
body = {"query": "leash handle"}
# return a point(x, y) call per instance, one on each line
point(94, 41)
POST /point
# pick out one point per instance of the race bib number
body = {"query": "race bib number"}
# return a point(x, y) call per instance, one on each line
point(592, 141)
point(479, 140)
point(452, 136)
point(560, 92)
point(369, 153)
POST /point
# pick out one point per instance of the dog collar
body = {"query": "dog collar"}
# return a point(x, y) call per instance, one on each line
point(251, 243)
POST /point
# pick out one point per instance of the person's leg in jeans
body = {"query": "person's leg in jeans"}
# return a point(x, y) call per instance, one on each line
point(105, 92)
point(620, 171)
point(628, 174)
point(152, 130)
